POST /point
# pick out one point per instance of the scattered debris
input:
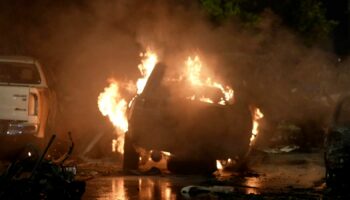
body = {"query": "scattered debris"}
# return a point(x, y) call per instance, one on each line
point(283, 149)
point(31, 176)
point(192, 190)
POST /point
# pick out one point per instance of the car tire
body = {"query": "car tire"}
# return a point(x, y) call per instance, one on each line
point(131, 157)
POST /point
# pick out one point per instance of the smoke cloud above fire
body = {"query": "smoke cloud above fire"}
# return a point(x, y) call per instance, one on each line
point(84, 43)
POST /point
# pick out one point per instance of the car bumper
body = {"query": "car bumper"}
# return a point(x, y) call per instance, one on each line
point(18, 128)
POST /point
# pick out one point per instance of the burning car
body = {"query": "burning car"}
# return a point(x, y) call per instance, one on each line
point(179, 117)
point(24, 97)
point(167, 117)
point(337, 147)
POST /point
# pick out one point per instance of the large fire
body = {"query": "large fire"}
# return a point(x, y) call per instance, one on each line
point(194, 68)
point(112, 104)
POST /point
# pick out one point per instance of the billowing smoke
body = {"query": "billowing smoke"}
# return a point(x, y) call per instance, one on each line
point(83, 43)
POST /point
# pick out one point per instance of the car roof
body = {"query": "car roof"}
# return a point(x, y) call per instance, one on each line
point(18, 59)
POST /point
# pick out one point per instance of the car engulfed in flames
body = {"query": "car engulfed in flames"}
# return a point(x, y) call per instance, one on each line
point(194, 117)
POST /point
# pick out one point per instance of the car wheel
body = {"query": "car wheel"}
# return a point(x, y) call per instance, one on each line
point(131, 157)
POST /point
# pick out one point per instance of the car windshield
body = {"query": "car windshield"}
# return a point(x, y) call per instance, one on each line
point(19, 73)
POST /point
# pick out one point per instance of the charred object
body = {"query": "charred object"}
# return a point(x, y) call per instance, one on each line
point(196, 134)
point(337, 147)
point(32, 176)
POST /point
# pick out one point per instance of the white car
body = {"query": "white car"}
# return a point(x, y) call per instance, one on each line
point(24, 96)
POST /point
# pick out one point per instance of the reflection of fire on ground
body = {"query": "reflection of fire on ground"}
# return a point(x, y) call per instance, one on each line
point(112, 104)
point(146, 189)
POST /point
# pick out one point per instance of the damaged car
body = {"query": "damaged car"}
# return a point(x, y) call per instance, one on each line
point(35, 175)
point(191, 133)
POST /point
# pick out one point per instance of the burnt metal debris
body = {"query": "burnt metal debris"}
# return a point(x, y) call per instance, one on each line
point(194, 190)
point(32, 176)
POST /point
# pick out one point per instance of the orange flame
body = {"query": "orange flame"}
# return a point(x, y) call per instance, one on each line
point(149, 61)
point(205, 99)
point(111, 104)
point(219, 165)
point(114, 106)
point(194, 67)
point(257, 116)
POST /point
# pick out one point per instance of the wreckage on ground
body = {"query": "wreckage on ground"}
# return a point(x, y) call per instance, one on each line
point(33, 176)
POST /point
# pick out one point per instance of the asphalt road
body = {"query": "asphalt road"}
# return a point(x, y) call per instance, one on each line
point(275, 176)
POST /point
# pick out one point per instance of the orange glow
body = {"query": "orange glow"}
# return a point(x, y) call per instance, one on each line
point(222, 164)
point(114, 145)
point(113, 105)
point(253, 184)
point(148, 62)
point(219, 165)
point(194, 67)
point(118, 190)
point(205, 99)
point(166, 153)
point(257, 115)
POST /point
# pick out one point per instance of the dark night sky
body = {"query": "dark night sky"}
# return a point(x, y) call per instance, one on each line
point(31, 17)
point(339, 11)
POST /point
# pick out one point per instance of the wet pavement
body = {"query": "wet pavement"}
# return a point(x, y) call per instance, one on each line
point(169, 188)
point(283, 176)
point(269, 176)
point(138, 187)
point(151, 187)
